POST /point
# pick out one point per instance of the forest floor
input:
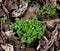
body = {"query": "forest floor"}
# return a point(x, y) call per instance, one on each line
point(27, 9)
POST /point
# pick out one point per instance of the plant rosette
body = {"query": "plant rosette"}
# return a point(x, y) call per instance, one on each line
point(29, 30)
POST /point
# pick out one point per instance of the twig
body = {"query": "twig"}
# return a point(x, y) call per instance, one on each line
point(46, 39)
point(5, 9)
point(53, 37)
point(38, 47)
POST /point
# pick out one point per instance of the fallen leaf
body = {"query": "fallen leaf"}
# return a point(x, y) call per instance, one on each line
point(12, 7)
point(9, 33)
point(1, 13)
point(58, 26)
point(31, 11)
point(30, 49)
point(0, 1)
point(7, 47)
point(51, 23)
point(20, 11)
point(1, 41)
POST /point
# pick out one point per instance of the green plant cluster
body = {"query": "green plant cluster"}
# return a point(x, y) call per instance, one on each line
point(4, 19)
point(48, 9)
point(28, 1)
point(29, 30)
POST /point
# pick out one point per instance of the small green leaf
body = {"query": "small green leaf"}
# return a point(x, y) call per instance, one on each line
point(4, 19)
point(48, 10)
point(23, 39)
point(28, 1)
point(29, 40)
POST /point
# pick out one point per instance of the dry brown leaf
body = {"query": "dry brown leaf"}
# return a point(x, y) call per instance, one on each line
point(52, 40)
point(31, 11)
point(1, 13)
point(10, 2)
point(1, 41)
point(7, 47)
point(58, 26)
point(0, 1)
point(52, 48)
point(13, 6)
point(59, 35)
point(58, 0)
point(51, 23)
point(9, 33)
point(20, 11)
point(53, 1)
point(5, 9)
point(29, 49)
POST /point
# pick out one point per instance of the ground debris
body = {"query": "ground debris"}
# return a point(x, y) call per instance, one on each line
point(3, 37)
point(1, 41)
point(7, 47)
point(1, 13)
point(13, 7)
point(31, 11)
point(0, 1)
point(58, 5)
point(50, 42)
point(9, 33)
point(20, 11)
point(51, 23)
point(58, 26)
point(10, 40)
point(53, 38)
point(5, 9)
point(29, 49)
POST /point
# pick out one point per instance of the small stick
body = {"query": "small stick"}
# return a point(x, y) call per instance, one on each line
point(5, 9)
